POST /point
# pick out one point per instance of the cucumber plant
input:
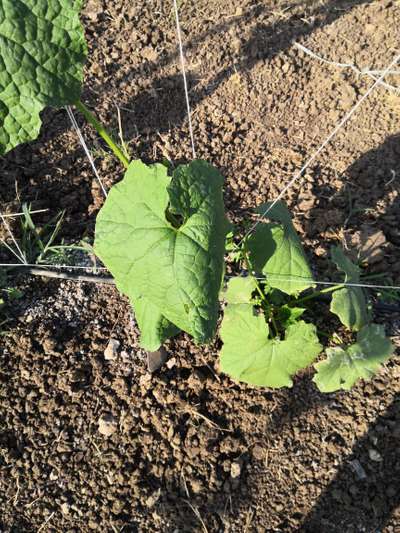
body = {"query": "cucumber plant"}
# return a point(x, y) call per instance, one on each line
point(163, 237)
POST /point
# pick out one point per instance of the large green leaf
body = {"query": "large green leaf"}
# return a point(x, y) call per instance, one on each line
point(349, 303)
point(42, 54)
point(276, 251)
point(344, 367)
point(172, 275)
point(249, 355)
point(239, 290)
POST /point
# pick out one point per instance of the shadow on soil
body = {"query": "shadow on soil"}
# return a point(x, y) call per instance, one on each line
point(372, 178)
point(367, 485)
point(165, 105)
point(365, 500)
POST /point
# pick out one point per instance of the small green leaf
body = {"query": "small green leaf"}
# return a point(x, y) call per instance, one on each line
point(249, 355)
point(171, 271)
point(289, 315)
point(349, 303)
point(276, 251)
point(14, 294)
point(43, 50)
point(343, 367)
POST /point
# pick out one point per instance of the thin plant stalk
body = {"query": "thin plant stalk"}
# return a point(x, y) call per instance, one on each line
point(102, 132)
point(318, 293)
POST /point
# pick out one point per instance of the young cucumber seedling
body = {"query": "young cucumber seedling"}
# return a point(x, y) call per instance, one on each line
point(163, 239)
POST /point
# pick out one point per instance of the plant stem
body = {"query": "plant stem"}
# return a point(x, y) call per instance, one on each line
point(274, 324)
point(248, 266)
point(318, 293)
point(270, 318)
point(102, 132)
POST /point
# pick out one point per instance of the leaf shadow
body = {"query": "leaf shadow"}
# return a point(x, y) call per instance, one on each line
point(365, 208)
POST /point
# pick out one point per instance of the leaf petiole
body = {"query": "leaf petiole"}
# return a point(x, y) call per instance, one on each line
point(318, 293)
point(102, 132)
point(248, 266)
point(274, 325)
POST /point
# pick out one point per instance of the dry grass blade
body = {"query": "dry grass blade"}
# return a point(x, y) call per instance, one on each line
point(197, 514)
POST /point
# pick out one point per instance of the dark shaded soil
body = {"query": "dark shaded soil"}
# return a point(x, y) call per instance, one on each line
point(187, 449)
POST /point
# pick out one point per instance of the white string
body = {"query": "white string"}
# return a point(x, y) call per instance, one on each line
point(189, 113)
point(323, 145)
point(13, 215)
point(279, 277)
point(365, 72)
point(19, 255)
point(85, 148)
point(39, 265)
point(276, 277)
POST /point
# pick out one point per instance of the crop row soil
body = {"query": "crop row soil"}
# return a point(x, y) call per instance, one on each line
point(185, 448)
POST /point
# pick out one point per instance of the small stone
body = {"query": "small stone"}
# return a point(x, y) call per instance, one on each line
point(25, 374)
point(107, 425)
point(125, 356)
point(92, 10)
point(65, 508)
point(48, 345)
point(196, 486)
point(155, 360)
point(374, 455)
point(235, 470)
point(306, 204)
point(368, 245)
point(258, 452)
point(145, 381)
point(358, 469)
point(111, 352)
point(153, 499)
point(236, 45)
point(171, 363)
point(149, 54)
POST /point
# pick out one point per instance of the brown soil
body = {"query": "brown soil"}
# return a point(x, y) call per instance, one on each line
point(95, 444)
